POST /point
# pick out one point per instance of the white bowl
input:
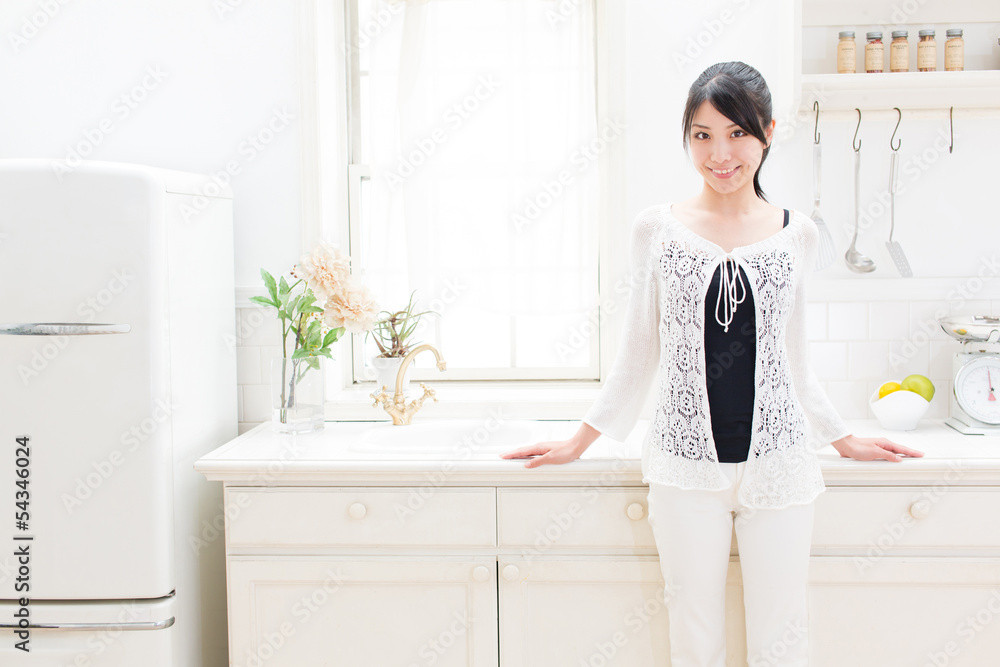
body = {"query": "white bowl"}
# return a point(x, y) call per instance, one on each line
point(900, 410)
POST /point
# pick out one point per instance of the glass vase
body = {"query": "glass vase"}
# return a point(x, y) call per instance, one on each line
point(297, 394)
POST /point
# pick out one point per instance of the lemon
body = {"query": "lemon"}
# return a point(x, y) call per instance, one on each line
point(888, 388)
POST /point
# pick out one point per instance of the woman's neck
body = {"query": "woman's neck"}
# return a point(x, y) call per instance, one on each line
point(744, 202)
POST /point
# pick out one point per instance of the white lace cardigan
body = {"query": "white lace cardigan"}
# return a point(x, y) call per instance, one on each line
point(664, 337)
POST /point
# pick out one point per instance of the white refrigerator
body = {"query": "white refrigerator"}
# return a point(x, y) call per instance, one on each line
point(117, 371)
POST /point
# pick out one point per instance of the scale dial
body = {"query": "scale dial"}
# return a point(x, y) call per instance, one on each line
point(977, 389)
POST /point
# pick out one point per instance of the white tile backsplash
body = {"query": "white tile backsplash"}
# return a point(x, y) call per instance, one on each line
point(850, 397)
point(868, 360)
point(816, 317)
point(854, 346)
point(847, 320)
point(910, 356)
point(828, 359)
point(923, 321)
point(888, 320)
point(969, 307)
point(256, 403)
point(248, 366)
point(259, 326)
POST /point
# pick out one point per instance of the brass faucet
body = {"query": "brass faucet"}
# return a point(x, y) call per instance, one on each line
point(397, 407)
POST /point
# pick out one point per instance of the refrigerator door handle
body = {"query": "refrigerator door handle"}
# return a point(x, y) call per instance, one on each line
point(138, 625)
point(62, 329)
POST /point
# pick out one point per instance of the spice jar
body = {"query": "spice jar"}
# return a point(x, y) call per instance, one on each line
point(954, 50)
point(927, 52)
point(847, 57)
point(899, 52)
point(874, 53)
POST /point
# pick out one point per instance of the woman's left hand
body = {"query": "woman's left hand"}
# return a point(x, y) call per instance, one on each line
point(869, 449)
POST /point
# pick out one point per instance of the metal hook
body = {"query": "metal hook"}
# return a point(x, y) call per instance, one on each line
point(951, 125)
point(816, 127)
point(900, 143)
point(856, 140)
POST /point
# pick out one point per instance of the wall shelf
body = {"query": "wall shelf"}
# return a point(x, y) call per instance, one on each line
point(908, 90)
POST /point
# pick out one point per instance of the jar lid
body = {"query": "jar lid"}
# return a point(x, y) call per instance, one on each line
point(953, 32)
point(927, 33)
point(899, 33)
point(874, 35)
point(846, 33)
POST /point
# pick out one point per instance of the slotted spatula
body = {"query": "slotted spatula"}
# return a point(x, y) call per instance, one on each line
point(895, 250)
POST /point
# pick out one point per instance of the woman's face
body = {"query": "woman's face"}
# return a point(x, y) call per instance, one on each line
point(718, 145)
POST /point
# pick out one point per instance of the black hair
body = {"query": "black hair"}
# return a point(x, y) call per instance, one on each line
point(738, 92)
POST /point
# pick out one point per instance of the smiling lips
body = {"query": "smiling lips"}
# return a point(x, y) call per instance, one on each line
point(725, 173)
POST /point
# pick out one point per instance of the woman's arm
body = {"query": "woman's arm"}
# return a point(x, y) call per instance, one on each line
point(823, 417)
point(616, 409)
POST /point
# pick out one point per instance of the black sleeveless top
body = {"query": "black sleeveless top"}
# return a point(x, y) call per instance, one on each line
point(729, 367)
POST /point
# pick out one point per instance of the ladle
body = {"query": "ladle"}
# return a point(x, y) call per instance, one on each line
point(855, 260)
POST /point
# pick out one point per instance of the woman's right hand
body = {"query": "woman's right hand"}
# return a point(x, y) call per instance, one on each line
point(556, 451)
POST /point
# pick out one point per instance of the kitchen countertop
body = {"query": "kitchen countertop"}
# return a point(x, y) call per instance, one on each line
point(446, 453)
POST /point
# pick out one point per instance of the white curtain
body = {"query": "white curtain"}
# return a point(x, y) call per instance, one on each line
point(479, 125)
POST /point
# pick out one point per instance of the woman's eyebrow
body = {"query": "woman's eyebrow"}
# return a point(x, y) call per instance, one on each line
point(708, 128)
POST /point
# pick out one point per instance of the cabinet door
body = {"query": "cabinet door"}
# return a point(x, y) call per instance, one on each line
point(380, 612)
point(904, 611)
point(569, 613)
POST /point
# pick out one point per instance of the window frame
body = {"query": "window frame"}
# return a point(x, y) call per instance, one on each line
point(331, 184)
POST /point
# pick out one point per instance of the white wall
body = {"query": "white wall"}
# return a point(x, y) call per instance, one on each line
point(226, 75)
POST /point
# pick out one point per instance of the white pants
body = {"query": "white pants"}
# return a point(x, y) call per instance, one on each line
point(693, 531)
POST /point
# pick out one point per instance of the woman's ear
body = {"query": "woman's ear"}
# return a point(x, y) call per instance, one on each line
point(769, 132)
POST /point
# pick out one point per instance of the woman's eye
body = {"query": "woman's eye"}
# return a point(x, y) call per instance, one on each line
point(740, 132)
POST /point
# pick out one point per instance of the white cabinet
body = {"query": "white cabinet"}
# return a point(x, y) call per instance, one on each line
point(592, 611)
point(334, 560)
point(370, 612)
point(935, 611)
point(567, 576)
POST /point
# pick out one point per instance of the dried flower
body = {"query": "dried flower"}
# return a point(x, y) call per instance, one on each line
point(326, 271)
point(352, 307)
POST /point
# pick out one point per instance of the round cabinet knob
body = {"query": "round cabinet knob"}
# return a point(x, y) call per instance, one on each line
point(481, 573)
point(919, 509)
point(635, 511)
point(510, 573)
point(357, 510)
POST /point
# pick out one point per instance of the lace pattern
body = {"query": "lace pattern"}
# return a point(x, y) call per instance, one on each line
point(679, 447)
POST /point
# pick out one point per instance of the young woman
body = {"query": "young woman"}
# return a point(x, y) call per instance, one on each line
point(716, 315)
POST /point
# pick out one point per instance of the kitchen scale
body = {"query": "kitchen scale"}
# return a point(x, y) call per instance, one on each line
point(974, 405)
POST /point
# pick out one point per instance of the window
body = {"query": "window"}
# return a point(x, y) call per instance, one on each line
point(474, 180)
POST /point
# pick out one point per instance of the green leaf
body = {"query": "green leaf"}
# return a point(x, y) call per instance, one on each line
point(332, 336)
point(269, 283)
point(263, 300)
point(314, 332)
point(310, 309)
point(299, 354)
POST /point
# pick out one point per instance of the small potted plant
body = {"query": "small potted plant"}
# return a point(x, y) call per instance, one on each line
point(392, 336)
point(329, 303)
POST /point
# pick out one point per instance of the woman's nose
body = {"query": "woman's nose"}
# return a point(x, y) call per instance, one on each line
point(721, 152)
